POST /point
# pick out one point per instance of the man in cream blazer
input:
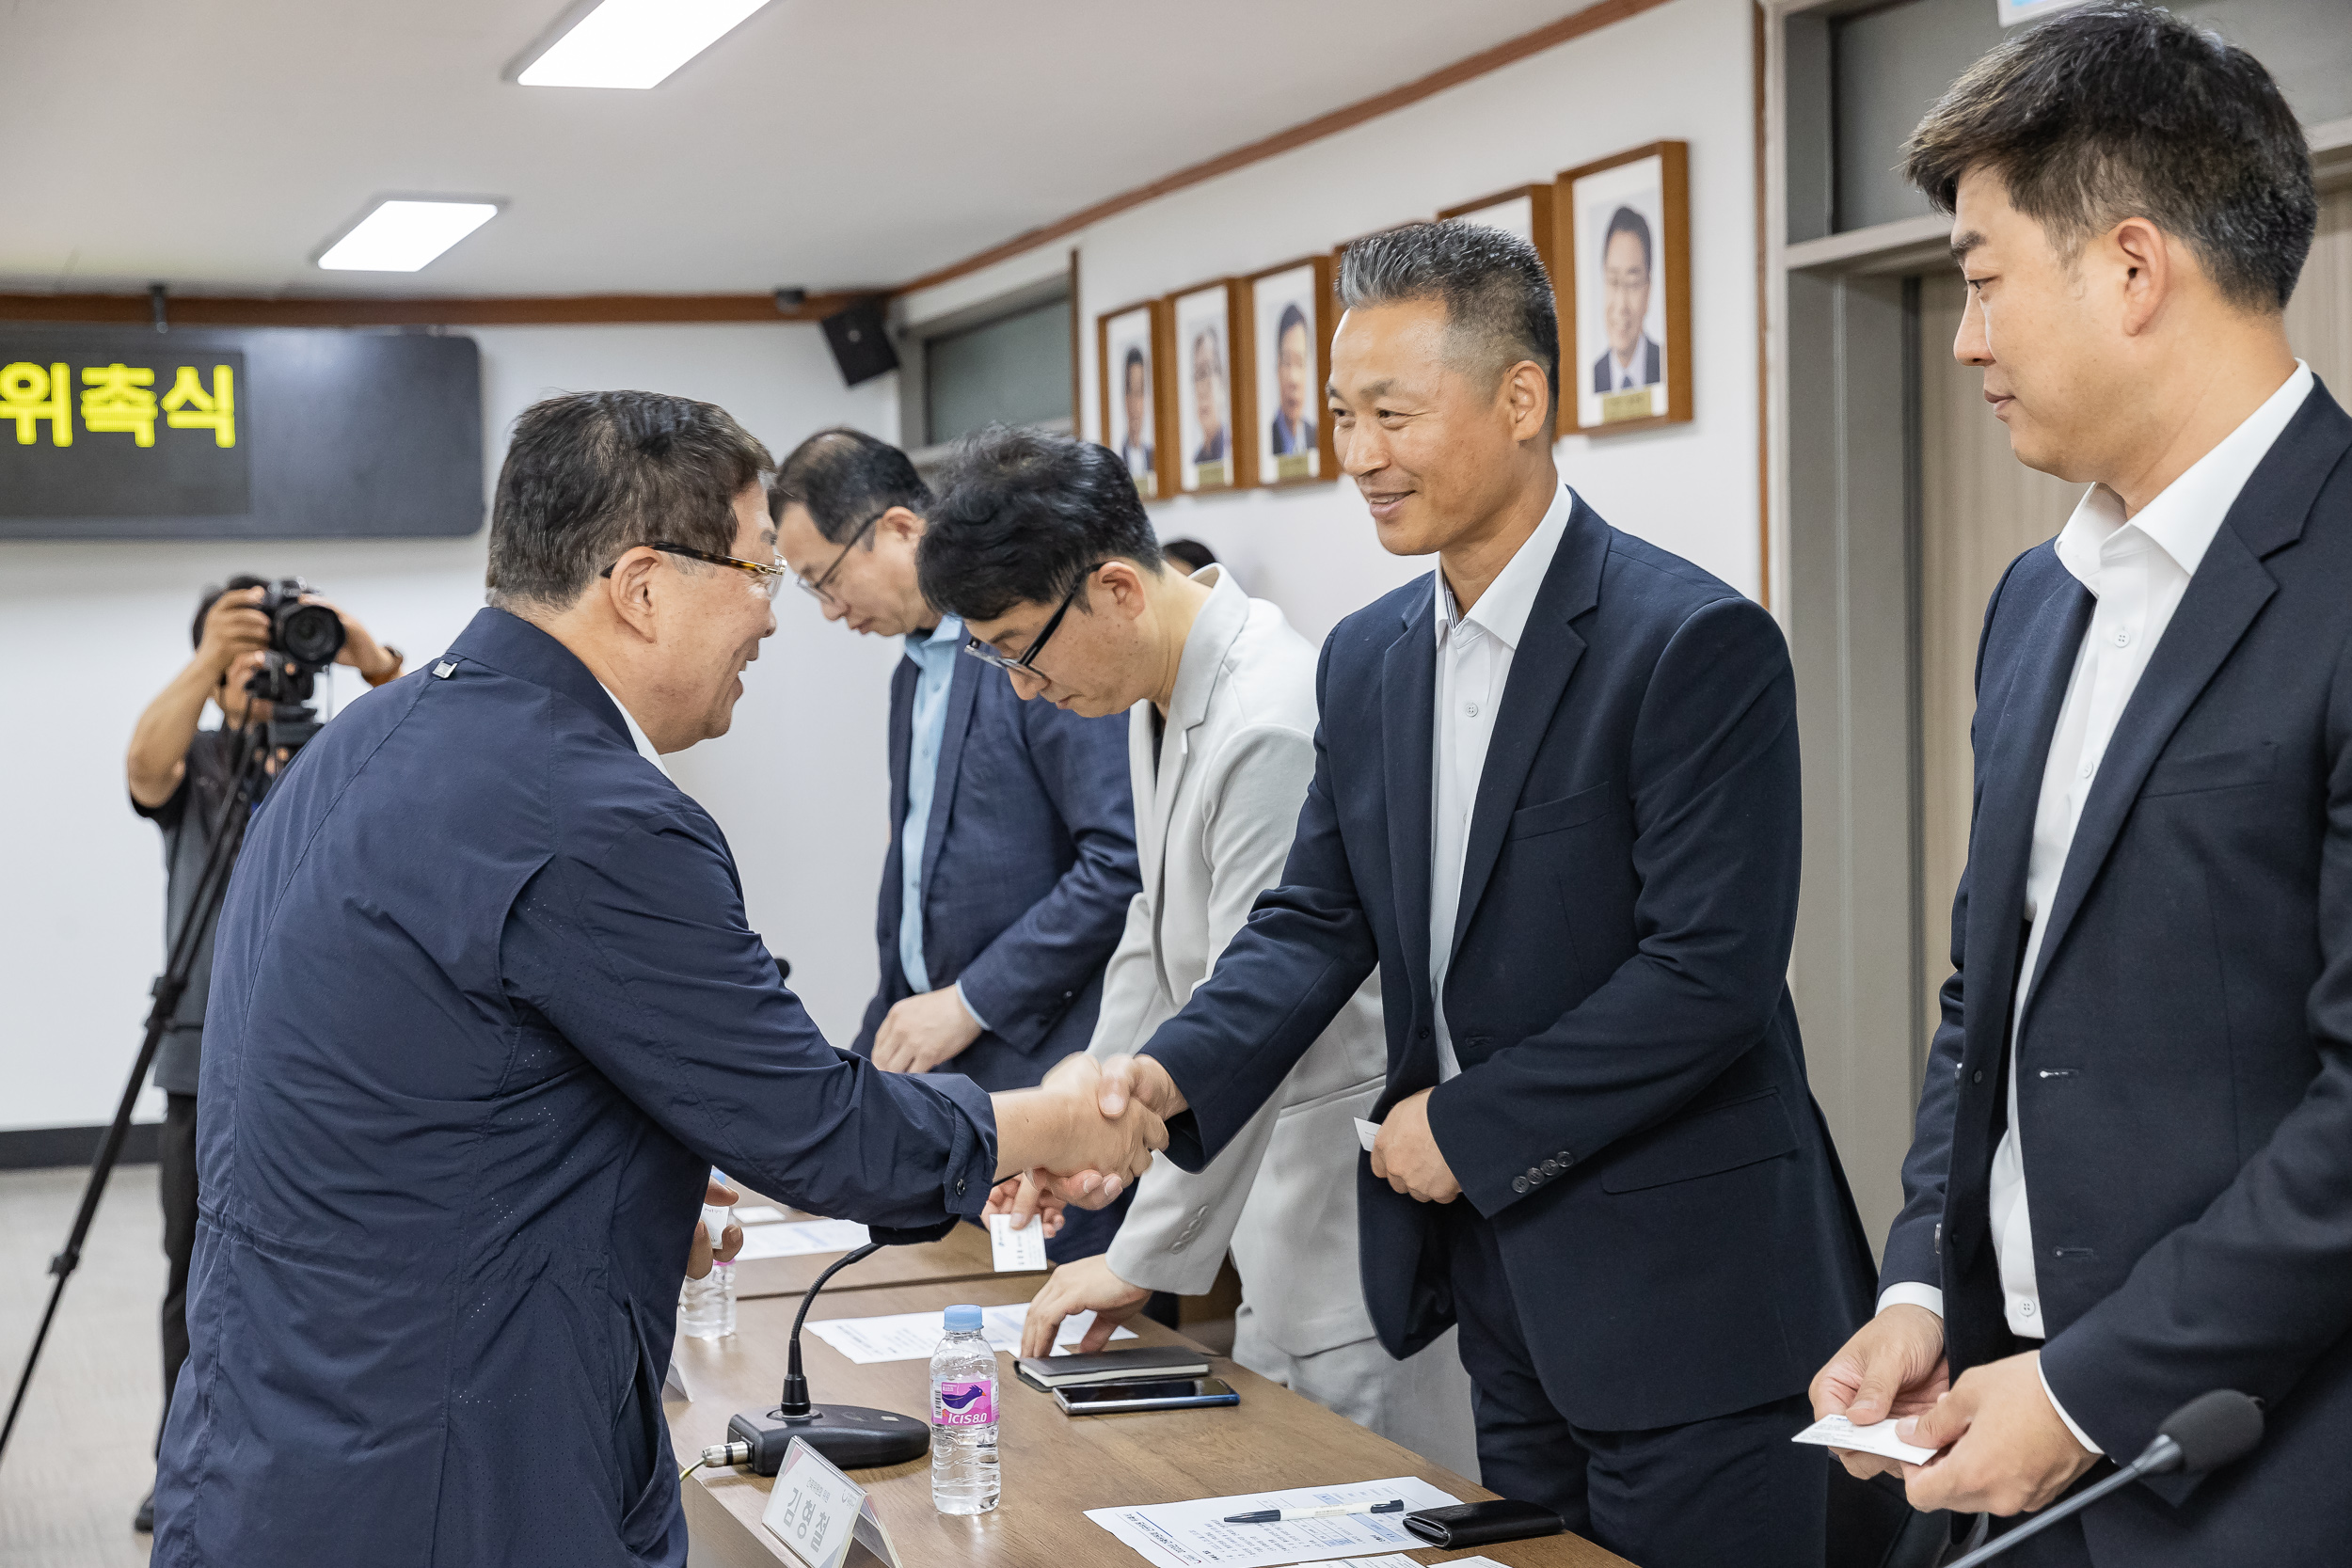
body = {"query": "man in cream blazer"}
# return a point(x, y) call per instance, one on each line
point(1044, 548)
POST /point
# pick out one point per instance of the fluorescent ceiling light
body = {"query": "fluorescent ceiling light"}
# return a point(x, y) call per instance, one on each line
point(401, 236)
point(634, 44)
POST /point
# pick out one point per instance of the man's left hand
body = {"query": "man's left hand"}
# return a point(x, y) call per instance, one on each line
point(699, 1257)
point(2005, 1449)
point(1406, 1157)
point(921, 1031)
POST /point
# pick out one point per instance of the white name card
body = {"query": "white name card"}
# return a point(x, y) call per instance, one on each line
point(816, 1511)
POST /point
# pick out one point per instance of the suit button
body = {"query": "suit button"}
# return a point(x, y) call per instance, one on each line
point(959, 1186)
point(1425, 1031)
point(1551, 1167)
point(1533, 1174)
point(1976, 1077)
point(1566, 1159)
point(1519, 1184)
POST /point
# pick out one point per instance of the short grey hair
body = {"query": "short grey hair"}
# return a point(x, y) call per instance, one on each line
point(1498, 296)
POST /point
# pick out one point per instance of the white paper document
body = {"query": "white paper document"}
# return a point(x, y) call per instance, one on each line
point(1835, 1431)
point(913, 1336)
point(1366, 1132)
point(758, 1214)
point(800, 1238)
point(1194, 1534)
point(1021, 1251)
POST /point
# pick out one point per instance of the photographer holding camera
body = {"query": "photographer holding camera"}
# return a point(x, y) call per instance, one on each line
point(179, 775)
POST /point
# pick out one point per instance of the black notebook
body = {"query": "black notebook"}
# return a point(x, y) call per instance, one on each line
point(1049, 1372)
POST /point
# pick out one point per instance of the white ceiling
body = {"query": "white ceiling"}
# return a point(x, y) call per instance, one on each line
point(218, 144)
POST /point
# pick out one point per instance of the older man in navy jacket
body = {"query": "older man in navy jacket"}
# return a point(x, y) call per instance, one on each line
point(484, 1011)
point(1555, 805)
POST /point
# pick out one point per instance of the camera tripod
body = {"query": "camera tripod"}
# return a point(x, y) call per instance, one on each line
point(292, 723)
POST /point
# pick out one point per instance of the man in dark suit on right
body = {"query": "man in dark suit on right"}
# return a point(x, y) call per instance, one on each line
point(2131, 1181)
point(1555, 805)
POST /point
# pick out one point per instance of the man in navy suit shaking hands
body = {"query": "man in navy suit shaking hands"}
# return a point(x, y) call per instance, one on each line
point(1555, 805)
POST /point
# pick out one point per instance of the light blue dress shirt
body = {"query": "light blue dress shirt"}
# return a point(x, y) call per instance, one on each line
point(934, 657)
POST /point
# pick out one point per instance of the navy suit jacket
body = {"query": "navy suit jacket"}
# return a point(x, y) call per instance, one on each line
point(2186, 1102)
point(484, 1011)
point(1632, 1115)
point(1028, 866)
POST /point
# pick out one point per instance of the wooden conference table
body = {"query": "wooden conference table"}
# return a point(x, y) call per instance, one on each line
point(1054, 1466)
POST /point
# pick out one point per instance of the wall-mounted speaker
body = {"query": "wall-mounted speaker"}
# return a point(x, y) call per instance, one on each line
point(861, 345)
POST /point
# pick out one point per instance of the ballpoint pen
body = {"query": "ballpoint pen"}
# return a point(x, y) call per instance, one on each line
point(1282, 1515)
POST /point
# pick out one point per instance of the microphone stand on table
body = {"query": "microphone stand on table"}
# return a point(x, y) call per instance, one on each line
point(853, 1436)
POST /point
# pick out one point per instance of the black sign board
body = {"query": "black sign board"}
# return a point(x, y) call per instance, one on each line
point(121, 432)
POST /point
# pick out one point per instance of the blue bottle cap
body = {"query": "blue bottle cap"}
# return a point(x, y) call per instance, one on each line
point(963, 1319)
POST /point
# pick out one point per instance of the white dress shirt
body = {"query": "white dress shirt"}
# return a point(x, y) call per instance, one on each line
point(2137, 570)
point(1474, 654)
point(636, 732)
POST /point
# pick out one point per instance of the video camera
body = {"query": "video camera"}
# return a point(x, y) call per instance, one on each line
point(304, 638)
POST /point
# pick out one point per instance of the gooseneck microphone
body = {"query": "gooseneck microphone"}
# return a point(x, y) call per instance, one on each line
point(2205, 1433)
point(852, 1435)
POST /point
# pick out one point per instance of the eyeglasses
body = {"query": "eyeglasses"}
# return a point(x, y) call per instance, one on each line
point(1026, 664)
point(768, 579)
point(817, 590)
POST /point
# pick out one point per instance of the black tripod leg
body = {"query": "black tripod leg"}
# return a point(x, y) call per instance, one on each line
point(211, 889)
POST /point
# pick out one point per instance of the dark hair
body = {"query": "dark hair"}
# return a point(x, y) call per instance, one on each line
point(1192, 552)
point(2117, 111)
point(210, 596)
point(1133, 363)
point(588, 475)
point(1496, 292)
point(1625, 220)
point(1292, 316)
point(1024, 517)
point(845, 479)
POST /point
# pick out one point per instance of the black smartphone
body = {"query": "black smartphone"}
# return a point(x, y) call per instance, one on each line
point(1164, 1393)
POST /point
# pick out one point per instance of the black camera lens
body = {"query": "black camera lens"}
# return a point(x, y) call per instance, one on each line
point(308, 633)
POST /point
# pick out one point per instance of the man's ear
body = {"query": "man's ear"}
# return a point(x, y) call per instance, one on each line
point(1121, 581)
point(2146, 259)
point(902, 523)
point(630, 587)
point(1527, 399)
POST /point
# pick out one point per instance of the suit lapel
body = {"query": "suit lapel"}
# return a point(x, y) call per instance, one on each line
point(2018, 750)
point(1408, 684)
point(1548, 653)
point(964, 688)
point(2228, 592)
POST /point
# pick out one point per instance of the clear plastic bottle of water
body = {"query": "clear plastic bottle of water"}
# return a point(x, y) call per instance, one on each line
point(707, 1306)
point(964, 1417)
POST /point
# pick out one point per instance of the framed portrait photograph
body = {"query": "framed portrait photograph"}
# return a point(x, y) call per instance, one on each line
point(1197, 378)
point(1128, 345)
point(1288, 315)
point(1624, 227)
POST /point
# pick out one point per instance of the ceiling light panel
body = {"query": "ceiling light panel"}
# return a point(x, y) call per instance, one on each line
point(634, 44)
point(404, 235)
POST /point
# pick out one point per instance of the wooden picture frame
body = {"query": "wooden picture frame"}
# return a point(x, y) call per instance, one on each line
point(1197, 369)
point(1143, 327)
point(1642, 196)
point(1288, 446)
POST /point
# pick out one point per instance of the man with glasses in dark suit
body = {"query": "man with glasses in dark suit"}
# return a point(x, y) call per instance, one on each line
point(1012, 846)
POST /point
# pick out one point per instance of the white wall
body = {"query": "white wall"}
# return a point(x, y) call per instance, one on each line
point(1682, 71)
point(94, 630)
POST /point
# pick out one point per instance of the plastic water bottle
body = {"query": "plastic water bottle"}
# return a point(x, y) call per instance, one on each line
point(964, 1417)
point(707, 1306)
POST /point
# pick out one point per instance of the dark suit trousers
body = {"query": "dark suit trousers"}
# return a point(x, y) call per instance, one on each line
point(175, 1178)
point(1732, 1489)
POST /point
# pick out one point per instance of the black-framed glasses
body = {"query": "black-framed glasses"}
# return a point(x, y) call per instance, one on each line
point(1026, 664)
point(766, 579)
point(817, 590)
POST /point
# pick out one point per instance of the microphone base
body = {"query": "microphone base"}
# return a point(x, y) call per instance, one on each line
point(853, 1436)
